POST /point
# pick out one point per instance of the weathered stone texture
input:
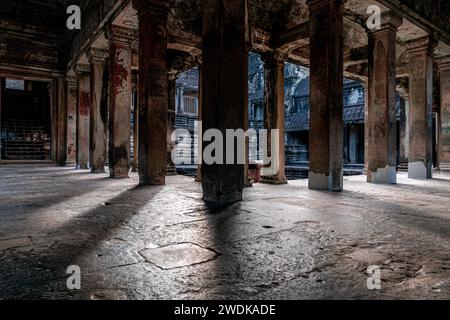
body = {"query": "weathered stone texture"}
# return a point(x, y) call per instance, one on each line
point(120, 101)
point(98, 110)
point(326, 109)
point(224, 66)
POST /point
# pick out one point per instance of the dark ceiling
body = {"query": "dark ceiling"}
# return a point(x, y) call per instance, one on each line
point(51, 13)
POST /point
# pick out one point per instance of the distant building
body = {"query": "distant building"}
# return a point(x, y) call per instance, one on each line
point(297, 110)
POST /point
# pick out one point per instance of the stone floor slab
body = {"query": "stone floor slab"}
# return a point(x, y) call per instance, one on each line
point(178, 255)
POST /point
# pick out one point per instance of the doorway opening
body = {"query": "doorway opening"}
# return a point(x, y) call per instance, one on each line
point(25, 120)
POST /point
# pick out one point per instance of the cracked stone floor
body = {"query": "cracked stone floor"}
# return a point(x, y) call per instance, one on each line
point(282, 242)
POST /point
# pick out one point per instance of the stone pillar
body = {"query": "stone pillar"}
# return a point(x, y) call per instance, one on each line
point(404, 131)
point(83, 116)
point(198, 177)
point(71, 100)
point(224, 90)
point(420, 109)
point(98, 110)
point(61, 117)
point(2, 87)
point(444, 130)
point(171, 169)
point(134, 165)
point(274, 113)
point(366, 127)
point(326, 113)
point(120, 94)
point(153, 101)
point(382, 109)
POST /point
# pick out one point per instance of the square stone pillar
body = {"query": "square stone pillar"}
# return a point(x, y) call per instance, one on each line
point(153, 82)
point(224, 91)
point(71, 101)
point(420, 108)
point(198, 177)
point(404, 134)
point(171, 117)
point(326, 94)
point(2, 87)
point(382, 109)
point(98, 109)
point(83, 115)
point(366, 127)
point(134, 82)
point(274, 113)
point(444, 112)
point(61, 125)
point(120, 86)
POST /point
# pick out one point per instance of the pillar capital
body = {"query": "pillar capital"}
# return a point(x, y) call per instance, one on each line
point(71, 78)
point(390, 21)
point(122, 35)
point(155, 7)
point(424, 44)
point(274, 57)
point(81, 68)
point(280, 56)
point(179, 62)
point(443, 63)
point(96, 55)
point(172, 75)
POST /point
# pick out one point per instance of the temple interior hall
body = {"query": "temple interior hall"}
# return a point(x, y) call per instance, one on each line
point(107, 191)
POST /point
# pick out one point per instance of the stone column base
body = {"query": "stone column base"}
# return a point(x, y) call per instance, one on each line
point(323, 182)
point(444, 167)
point(273, 180)
point(387, 175)
point(171, 171)
point(418, 171)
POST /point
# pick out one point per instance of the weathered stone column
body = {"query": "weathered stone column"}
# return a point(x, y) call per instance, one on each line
point(134, 81)
point(61, 118)
point(172, 78)
point(120, 86)
point(420, 109)
point(404, 131)
point(83, 115)
point(98, 109)
point(2, 85)
point(326, 113)
point(274, 113)
point(71, 100)
point(366, 127)
point(444, 130)
point(382, 111)
point(198, 177)
point(225, 86)
point(153, 101)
